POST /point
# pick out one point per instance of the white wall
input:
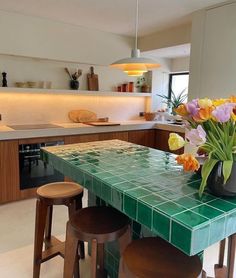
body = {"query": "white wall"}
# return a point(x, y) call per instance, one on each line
point(213, 55)
point(43, 38)
point(170, 37)
point(180, 64)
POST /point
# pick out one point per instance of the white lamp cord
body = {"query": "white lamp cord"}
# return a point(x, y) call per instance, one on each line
point(136, 27)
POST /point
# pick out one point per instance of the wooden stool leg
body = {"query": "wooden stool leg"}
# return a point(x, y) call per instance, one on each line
point(71, 254)
point(40, 221)
point(71, 211)
point(78, 205)
point(93, 259)
point(100, 264)
point(48, 229)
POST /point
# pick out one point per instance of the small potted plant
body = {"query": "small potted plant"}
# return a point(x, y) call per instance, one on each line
point(142, 85)
point(174, 101)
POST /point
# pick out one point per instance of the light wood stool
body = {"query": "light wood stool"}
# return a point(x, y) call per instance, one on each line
point(59, 193)
point(97, 225)
point(155, 258)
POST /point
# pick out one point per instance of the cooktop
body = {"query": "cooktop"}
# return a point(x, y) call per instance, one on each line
point(37, 126)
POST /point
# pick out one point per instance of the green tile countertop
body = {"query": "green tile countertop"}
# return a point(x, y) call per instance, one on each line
point(149, 187)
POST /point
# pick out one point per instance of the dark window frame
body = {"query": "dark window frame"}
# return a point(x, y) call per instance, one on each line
point(170, 80)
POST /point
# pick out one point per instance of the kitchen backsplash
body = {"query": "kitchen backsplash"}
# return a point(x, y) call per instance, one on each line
point(29, 108)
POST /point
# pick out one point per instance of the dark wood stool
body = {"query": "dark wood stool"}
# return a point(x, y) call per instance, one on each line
point(59, 193)
point(153, 257)
point(97, 225)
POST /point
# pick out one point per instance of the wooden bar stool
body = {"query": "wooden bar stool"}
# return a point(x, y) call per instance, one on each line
point(97, 225)
point(59, 193)
point(155, 258)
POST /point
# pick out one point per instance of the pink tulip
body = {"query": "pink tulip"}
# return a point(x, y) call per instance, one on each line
point(196, 137)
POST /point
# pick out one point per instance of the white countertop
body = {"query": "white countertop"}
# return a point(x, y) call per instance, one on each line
point(7, 133)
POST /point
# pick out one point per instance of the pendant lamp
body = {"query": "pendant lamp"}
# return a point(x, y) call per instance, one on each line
point(135, 65)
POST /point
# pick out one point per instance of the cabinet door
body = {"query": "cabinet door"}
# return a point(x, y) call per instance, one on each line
point(9, 171)
point(113, 135)
point(81, 138)
point(162, 137)
point(143, 137)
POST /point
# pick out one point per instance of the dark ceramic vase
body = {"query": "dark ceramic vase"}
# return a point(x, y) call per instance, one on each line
point(74, 84)
point(215, 181)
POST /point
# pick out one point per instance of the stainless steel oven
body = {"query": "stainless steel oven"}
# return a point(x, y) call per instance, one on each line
point(33, 171)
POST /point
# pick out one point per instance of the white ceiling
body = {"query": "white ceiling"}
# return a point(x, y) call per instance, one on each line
point(177, 51)
point(115, 16)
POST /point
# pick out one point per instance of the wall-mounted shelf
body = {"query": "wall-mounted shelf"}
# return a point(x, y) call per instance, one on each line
point(70, 92)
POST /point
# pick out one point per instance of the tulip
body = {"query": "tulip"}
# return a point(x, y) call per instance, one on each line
point(223, 112)
point(181, 110)
point(188, 161)
point(196, 136)
point(204, 103)
point(175, 141)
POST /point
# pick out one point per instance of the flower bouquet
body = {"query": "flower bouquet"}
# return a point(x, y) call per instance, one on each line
point(210, 128)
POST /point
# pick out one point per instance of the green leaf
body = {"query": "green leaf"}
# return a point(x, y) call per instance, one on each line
point(227, 168)
point(206, 170)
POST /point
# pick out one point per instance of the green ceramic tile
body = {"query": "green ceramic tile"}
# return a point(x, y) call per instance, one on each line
point(200, 239)
point(96, 187)
point(187, 202)
point(124, 186)
point(130, 206)
point(205, 198)
point(230, 223)
point(217, 230)
point(114, 180)
point(153, 200)
point(161, 224)
point(208, 211)
point(191, 219)
point(117, 199)
point(170, 208)
point(222, 205)
point(144, 214)
point(106, 192)
point(138, 192)
point(178, 233)
point(88, 182)
point(103, 175)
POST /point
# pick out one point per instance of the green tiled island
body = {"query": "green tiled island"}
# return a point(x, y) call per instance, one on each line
point(148, 186)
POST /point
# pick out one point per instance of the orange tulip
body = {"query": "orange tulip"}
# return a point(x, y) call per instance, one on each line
point(188, 161)
point(232, 99)
point(181, 110)
point(203, 114)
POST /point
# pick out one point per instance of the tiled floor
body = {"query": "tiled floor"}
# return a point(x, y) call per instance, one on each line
point(16, 238)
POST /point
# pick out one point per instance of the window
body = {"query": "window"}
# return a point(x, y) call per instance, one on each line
point(178, 82)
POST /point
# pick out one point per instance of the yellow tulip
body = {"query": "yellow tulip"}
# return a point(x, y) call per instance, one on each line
point(217, 102)
point(181, 110)
point(204, 103)
point(175, 141)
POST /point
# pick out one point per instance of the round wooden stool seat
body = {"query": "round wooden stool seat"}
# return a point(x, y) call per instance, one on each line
point(100, 223)
point(155, 258)
point(57, 190)
point(97, 225)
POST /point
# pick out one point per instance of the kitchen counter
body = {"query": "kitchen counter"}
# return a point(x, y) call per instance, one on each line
point(7, 133)
point(151, 189)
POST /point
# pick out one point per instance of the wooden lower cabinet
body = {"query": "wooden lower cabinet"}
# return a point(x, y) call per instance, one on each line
point(96, 137)
point(143, 137)
point(162, 137)
point(9, 171)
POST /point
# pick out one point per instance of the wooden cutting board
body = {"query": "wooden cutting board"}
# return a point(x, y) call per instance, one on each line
point(92, 80)
point(102, 123)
